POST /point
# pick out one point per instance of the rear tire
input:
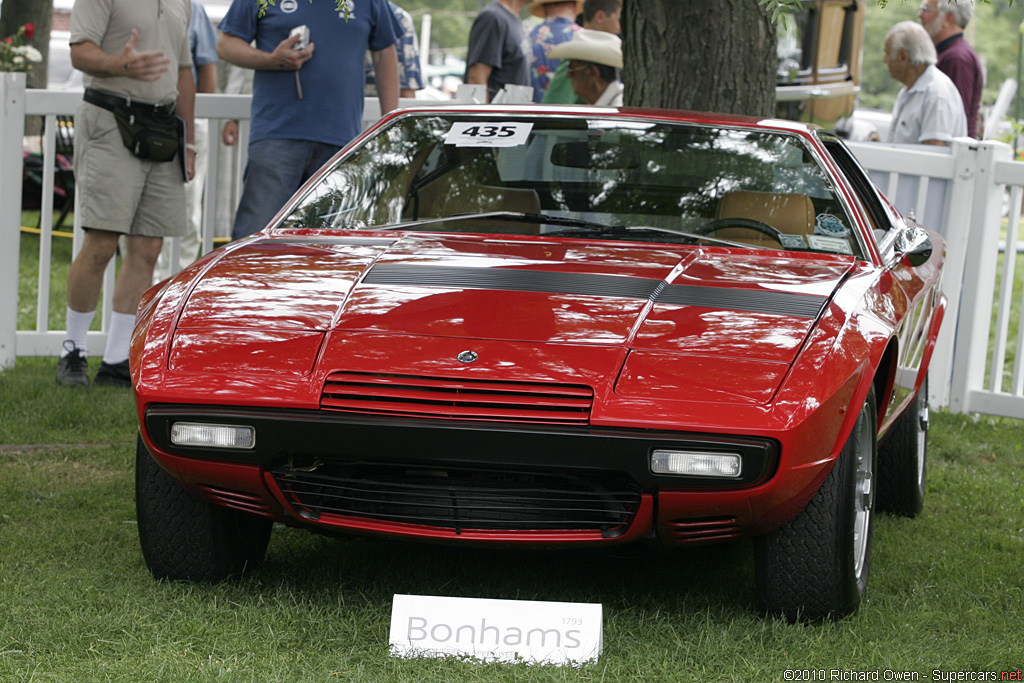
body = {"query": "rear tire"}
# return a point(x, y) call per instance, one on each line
point(816, 566)
point(185, 538)
point(902, 460)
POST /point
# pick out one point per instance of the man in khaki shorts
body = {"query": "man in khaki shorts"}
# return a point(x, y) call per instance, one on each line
point(134, 53)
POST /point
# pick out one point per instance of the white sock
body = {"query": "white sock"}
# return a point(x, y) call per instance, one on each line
point(120, 337)
point(78, 328)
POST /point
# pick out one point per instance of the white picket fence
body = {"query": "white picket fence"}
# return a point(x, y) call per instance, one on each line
point(960, 191)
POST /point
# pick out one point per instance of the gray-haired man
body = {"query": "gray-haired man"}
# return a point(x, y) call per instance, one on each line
point(928, 108)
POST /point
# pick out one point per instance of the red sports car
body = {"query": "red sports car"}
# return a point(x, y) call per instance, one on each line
point(551, 327)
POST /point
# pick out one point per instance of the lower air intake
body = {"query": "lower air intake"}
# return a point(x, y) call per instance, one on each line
point(704, 530)
point(463, 498)
point(237, 500)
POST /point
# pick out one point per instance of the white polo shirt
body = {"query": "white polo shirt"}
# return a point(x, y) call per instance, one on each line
point(931, 109)
point(612, 95)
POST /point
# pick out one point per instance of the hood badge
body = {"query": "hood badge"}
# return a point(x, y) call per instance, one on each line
point(467, 356)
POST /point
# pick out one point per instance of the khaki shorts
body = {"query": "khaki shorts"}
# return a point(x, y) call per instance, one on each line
point(119, 192)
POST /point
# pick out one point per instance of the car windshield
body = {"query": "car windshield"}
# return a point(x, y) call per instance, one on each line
point(589, 177)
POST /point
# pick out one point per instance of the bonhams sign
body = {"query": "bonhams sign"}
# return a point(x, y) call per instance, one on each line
point(496, 630)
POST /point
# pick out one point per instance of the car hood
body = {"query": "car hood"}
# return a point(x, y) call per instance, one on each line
point(657, 303)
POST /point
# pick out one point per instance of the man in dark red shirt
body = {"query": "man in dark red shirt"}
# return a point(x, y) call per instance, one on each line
point(945, 21)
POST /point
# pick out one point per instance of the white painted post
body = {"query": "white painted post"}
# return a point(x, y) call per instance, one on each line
point(12, 131)
point(981, 253)
point(956, 230)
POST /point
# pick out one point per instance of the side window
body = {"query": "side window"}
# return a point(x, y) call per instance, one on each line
point(880, 219)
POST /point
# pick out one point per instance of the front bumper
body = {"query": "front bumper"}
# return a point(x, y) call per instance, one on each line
point(465, 481)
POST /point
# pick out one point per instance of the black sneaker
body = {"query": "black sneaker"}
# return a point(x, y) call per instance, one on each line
point(72, 368)
point(114, 375)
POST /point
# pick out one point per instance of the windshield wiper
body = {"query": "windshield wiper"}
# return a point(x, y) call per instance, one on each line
point(636, 231)
point(615, 230)
point(578, 227)
point(503, 216)
point(718, 240)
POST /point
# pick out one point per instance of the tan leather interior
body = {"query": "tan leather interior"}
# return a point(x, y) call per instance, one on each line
point(465, 190)
point(476, 199)
point(789, 213)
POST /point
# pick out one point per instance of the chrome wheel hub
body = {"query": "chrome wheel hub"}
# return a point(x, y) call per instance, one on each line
point(864, 493)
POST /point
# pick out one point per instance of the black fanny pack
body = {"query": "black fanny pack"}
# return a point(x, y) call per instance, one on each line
point(149, 131)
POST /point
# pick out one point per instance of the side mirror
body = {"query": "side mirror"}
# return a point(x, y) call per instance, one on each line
point(915, 244)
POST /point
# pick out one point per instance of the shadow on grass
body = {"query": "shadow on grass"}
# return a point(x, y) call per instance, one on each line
point(638, 577)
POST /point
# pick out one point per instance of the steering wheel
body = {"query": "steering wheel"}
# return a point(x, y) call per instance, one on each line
point(737, 222)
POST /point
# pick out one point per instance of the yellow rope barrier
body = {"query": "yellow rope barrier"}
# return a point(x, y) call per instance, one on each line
point(37, 231)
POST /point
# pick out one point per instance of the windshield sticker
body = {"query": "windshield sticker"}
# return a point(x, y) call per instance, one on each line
point(836, 245)
point(830, 226)
point(490, 134)
point(792, 241)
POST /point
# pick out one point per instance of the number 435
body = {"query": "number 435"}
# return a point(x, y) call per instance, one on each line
point(490, 131)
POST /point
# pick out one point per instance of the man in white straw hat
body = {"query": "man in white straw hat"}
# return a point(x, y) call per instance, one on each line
point(559, 24)
point(595, 58)
point(600, 15)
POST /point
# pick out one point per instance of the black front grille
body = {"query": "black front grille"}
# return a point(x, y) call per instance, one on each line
point(463, 498)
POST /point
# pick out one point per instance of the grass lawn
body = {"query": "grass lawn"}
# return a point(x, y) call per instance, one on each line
point(77, 603)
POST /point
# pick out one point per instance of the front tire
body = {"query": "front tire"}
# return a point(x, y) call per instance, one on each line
point(816, 566)
point(185, 538)
point(902, 459)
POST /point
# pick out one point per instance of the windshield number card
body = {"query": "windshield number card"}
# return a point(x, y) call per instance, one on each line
point(488, 134)
point(514, 631)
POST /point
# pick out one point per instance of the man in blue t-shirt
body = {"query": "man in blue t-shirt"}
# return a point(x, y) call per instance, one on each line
point(499, 51)
point(306, 104)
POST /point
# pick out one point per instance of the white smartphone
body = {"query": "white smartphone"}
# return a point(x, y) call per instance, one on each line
point(304, 40)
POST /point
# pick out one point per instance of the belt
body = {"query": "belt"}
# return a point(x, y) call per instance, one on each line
point(108, 102)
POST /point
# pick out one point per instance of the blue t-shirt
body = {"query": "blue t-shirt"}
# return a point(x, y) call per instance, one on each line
point(331, 110)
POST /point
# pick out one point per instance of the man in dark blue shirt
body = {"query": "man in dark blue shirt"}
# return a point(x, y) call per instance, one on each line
point(499, 51)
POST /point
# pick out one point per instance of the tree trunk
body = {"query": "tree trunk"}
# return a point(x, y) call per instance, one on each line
point(702, 55)
point(39, 12)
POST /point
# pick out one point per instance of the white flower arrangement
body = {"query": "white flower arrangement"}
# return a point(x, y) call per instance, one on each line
point(15, 55)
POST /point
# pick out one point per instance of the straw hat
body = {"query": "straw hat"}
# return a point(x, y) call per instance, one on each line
point(537, 7)
point(588, 45)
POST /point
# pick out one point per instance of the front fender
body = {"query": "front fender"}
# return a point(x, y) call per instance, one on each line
point(827, 384)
